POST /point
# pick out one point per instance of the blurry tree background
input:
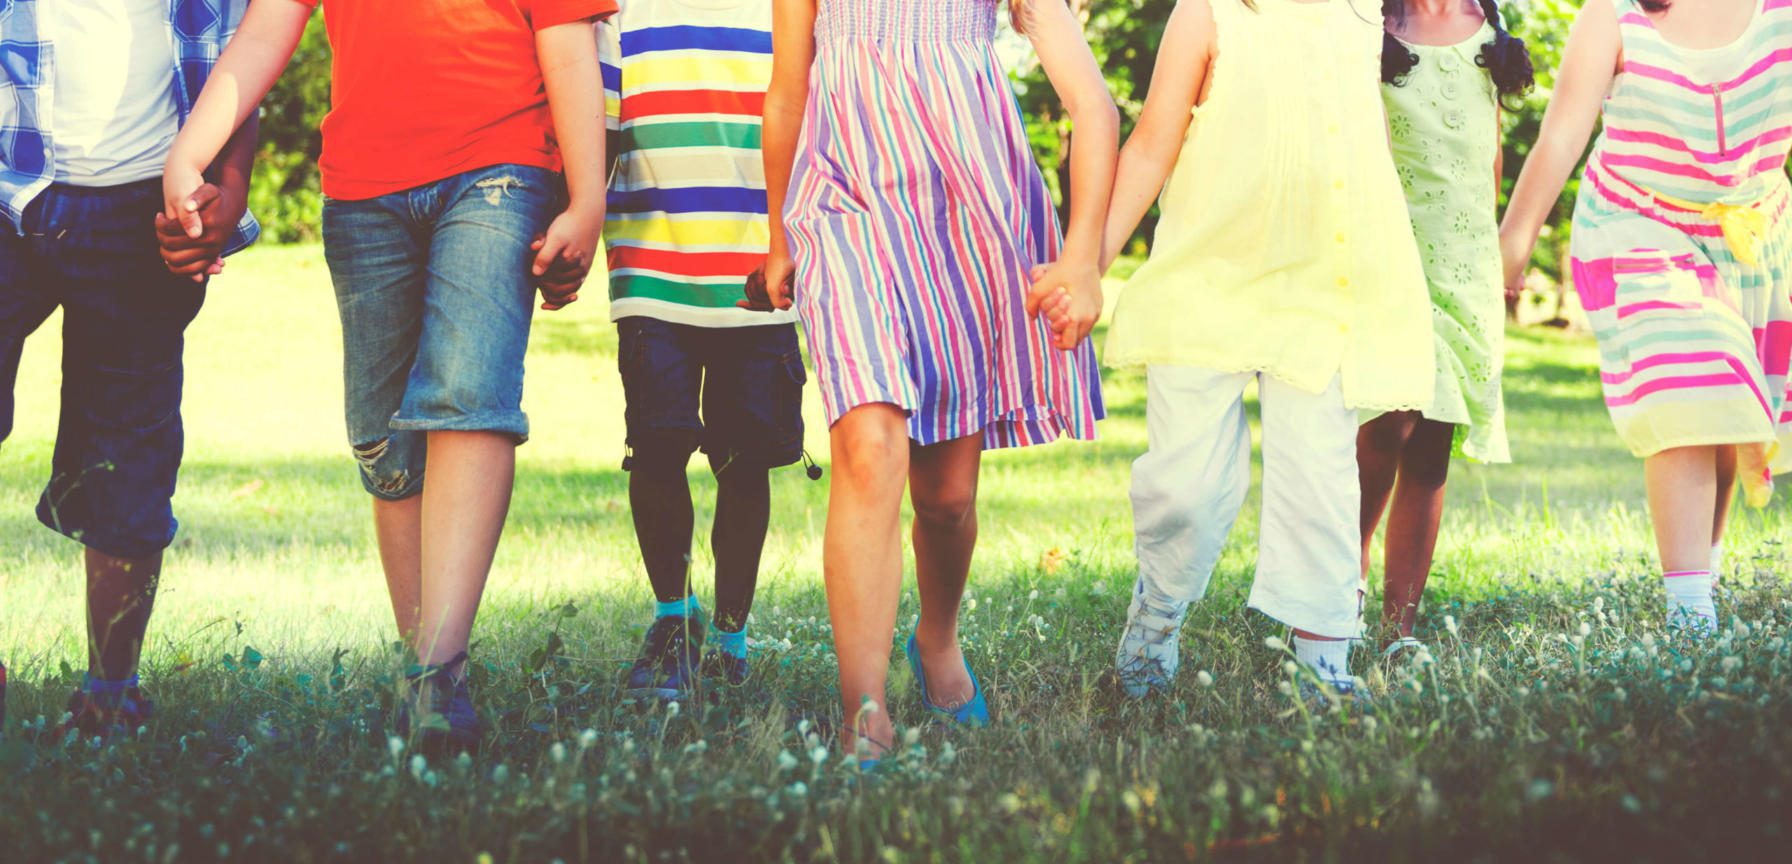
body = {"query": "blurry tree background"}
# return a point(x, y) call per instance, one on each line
point(1123, 33)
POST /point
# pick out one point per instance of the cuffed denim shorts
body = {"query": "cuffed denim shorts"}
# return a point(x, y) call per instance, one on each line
point(436, 296)
point(93, 252)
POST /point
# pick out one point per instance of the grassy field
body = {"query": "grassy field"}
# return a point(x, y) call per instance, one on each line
point(1552, 721)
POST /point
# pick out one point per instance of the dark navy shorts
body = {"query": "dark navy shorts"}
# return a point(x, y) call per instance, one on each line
point(736, 393)
point(93, 253)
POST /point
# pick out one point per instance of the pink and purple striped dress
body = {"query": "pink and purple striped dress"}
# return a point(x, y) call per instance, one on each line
point(1682, 245)
point(915, 215)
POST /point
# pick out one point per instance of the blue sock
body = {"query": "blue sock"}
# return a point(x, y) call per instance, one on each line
point(686, 608)
point(732, 644)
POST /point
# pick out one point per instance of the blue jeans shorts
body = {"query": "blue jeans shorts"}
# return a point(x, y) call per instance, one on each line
point(119, 438)
point(436, 297)
point(736, 393)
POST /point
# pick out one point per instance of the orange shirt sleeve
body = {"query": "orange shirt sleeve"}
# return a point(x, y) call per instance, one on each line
point(543, 14)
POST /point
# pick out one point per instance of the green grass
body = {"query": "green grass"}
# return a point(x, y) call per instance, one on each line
point(1555, 721)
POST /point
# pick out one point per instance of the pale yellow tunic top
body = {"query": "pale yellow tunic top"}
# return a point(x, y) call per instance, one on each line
point(1284, 245)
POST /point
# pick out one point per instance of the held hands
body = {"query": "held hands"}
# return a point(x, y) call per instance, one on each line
point(1516, 254)
point(564, 255)
point(1068, 295)
point(197, 220)
point(769, 288)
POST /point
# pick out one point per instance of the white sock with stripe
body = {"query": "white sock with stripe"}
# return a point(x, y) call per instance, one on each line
point(1690, 607)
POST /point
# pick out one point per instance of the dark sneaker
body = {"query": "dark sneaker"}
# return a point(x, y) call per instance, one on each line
point(725, 667)
point(445, 719)
point(103, 710)
point(667, 668)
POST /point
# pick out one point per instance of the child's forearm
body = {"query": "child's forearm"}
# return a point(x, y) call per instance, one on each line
point(1138, 181)
point(568, 57)
point(793, 50)
point(1589, 63)
point(234, 167)
point(779, 135)
point(1094, 146)
point(247, 69)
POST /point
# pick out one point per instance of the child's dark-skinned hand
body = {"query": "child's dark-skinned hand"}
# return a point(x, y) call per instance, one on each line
point(768, 287)
point(560, 285)
point(192, 245)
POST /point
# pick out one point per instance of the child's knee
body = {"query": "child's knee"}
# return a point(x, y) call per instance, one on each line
point(872, 456)
point(391, 467)
point(950, 507)
point(665, 450)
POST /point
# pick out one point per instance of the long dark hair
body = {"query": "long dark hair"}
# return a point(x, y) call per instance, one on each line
point(1505, 57)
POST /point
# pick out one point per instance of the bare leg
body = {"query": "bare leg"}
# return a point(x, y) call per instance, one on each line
point(1378, 446)
point(1726, 491)
point(1682, 485)
point(1413, 524)
point(943, 488)
point(121, 593)
point(862, 560)
point(465, 502)
point(743, 513)
point(399, 527)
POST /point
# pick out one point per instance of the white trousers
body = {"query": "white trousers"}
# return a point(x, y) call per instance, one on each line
point(1189, 486)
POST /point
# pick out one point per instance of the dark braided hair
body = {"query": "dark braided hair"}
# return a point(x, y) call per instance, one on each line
point(1505, 58)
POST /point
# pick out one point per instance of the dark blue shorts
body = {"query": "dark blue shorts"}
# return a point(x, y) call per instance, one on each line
point(736, 393)
point(118, 446)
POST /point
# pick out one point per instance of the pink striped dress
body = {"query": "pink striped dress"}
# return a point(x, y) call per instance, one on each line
point(1682, 245)
point(916, 213)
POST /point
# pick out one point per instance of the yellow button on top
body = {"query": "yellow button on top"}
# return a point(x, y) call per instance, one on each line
point(1343, 282)
point(1341, 238)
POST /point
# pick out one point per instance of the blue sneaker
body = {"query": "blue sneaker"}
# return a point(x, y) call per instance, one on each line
point(450, 724)
point(973, 713)
point(102, 709)
point(669, 662)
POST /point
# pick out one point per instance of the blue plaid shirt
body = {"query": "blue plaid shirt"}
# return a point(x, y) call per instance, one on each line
point(199, 29)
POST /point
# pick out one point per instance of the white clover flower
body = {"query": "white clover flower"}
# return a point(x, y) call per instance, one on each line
point(948, 754)
point(395, 746)
point(1585, 629)
point(1033, 594)
point(1203, 678)
point(1290, 668)
point(786, 761)
point(671, 709)
point(1369, 723)
point(1275, 643)
point(501, 774)
point(1450, 624)
point(1730, 664)
point(1285, 688)
point(799, 789)
point(868, 706)
point(557, 752)
point(911, 736)
point(418, 766)
point(818, 755)
point(587, 738)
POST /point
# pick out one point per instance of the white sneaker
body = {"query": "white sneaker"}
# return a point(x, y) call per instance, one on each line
point(1150, 649)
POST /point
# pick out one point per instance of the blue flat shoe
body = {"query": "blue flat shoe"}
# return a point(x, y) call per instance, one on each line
point(973, 713)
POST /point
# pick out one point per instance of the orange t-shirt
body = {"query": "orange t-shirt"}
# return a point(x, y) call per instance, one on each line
point(422, 90)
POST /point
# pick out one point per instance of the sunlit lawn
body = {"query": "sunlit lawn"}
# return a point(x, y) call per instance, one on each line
point(1556, 721)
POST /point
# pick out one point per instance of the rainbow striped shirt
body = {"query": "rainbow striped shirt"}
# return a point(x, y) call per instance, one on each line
point(684, 84)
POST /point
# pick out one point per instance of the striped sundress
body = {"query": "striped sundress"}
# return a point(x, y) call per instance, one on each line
point(1682, 245)
point(915, 215)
